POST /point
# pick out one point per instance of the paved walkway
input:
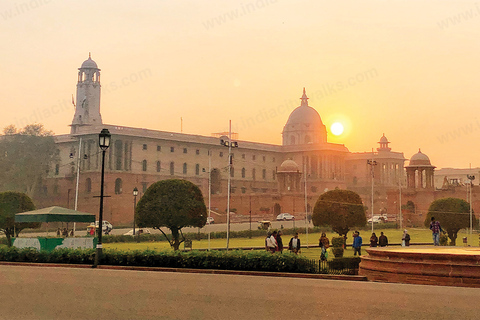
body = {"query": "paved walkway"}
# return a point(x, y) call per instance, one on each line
point(72, 293)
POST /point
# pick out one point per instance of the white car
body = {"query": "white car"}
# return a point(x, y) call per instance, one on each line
point(138, 231)
point(285, 216)
point(210, 220)
point(105, 225)
point(376, 219)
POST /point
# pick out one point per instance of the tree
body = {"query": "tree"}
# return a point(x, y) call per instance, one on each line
point(453, 215)
point(174, 204)
point(10, 204)
point(26, 156)
point(339, 209)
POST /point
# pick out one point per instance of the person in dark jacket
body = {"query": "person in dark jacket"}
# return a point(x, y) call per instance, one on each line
point(294, 244)
point(405, 239)
point(373, 240)
point(279, 241)
point(383, 240)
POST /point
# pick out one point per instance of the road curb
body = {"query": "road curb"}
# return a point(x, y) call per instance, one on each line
point(186, 270)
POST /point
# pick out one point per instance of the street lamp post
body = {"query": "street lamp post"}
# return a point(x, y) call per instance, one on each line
point(306, 204)
point(250, 234)
point(103, 142)
point(471, 178)
point(372, 164)
point(230, 144)
point(135, 194)
point(209, 193)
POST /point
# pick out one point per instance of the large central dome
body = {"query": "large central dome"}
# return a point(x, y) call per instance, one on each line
point(304, 126)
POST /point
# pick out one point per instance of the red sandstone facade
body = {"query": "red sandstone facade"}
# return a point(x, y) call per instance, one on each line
point(266, 179)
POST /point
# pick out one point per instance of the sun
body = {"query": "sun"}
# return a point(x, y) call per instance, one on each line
point(336, 128)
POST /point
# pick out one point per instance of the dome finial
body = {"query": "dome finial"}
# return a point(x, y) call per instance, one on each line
point(304, 99)
point(89, 55)
point(419, 151)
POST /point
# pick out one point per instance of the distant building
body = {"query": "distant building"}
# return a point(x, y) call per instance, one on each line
point(422, 189)
point(265, 178)
point(384, 166)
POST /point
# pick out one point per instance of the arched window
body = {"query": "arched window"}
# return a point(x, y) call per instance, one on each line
point(158, 166)
point(184, 168)
point(243, 172)
point(264, 174)
point(144, 165)
point(197, 169)
point(253, 174)
point(88, 185)
point(118, 186)
point(172, 168)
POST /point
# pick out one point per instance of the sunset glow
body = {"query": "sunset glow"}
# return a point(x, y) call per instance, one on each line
point(389, 67)
point(336, 128)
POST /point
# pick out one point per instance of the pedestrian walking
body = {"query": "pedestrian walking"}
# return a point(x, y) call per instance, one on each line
point(324, 243)
point(279, 241)
point(272, 242)
point(357, 244)
point(373, 240)
point(382, 240)
point(405, 238)
point(267, 240)
point(294, 244)
point(436, 229)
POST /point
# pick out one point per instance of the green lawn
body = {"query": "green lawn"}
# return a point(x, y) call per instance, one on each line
point(394, 237)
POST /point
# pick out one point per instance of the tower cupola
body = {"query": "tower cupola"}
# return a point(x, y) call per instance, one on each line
point(383, 144)
point(87, 109)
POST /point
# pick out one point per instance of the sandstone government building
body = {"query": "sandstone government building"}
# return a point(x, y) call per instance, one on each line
point(265, 178)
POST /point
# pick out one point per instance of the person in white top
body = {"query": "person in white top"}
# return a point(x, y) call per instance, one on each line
point(272, 242)
point(294, 244)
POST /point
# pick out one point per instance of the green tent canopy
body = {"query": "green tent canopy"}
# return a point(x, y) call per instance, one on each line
point(54, 214)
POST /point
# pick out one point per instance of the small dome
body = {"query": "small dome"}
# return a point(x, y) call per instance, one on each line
point(89, 64)
point(289, 166)
point(383, 139)
point(419, 159)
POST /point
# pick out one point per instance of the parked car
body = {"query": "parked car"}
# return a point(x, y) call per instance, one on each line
point(105, 225)
point(376, 219)
point(138, 231)
point(285, 216)
point(210, 220)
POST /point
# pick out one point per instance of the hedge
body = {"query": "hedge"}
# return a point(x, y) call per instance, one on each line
point(231, 260)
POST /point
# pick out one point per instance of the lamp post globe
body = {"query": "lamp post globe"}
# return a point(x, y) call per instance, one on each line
point(104, 139)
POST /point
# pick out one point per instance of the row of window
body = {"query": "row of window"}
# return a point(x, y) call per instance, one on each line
point(197, 151)
point(197, 170)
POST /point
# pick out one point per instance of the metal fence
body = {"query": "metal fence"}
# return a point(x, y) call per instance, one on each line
point(329, 267)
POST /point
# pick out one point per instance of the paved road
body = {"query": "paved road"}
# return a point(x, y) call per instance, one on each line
point(69, 293)
point(212, 228)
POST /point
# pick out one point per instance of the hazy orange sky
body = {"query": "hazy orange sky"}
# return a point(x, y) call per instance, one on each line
point(408, 69)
